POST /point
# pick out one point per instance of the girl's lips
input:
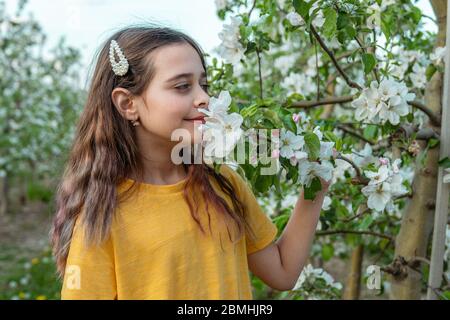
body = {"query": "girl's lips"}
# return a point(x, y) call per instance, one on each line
point(202, 120)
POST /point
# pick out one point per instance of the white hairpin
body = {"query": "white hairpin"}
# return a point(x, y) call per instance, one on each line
point(120, 68)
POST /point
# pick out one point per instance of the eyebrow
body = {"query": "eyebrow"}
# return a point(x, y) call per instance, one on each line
point(185, 75)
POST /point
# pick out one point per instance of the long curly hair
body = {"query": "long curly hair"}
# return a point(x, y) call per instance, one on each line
point(104, 151)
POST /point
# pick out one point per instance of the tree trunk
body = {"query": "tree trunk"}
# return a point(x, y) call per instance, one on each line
point(3, 195)
point(417, 220)
point(353, 284)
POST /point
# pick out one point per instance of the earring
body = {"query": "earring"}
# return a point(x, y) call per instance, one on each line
point(135, 123)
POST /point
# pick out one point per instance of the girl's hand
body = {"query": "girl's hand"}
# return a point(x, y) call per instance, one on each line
point(325, 185)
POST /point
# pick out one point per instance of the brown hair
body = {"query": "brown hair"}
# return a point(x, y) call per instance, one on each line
point(104, 151)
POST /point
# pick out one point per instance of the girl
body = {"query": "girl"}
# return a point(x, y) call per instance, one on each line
point(132, 224)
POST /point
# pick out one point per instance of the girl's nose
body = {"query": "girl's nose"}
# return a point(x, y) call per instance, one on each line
point(202, 100)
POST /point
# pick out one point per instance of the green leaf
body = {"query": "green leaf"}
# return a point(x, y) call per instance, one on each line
point(370, 132)
point(433, 142)
point(329, 27)
point(386, 28)
point(249, 111)
point(251, 46)
point(263, 182)
point(351, 32)
point(444, 162)
point(302, 7)
point(327, 252)
point(343, 21)
point(289, 123)
point(366, 222)
point(410, 117)
point(431, 69)
point(273, 117)
point(293, 98)
point(313, 144)
point(281, 221)
point(330, 136)
point(309, 193)
point(369, 62)
point(416, 13)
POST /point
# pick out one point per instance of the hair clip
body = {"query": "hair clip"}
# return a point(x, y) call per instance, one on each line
point(120, 68)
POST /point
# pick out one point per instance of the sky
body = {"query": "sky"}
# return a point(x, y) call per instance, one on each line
point(87, 23)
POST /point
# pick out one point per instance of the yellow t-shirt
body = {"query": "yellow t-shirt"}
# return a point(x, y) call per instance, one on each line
point(157, 251)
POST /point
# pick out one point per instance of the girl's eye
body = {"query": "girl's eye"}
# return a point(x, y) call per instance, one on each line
point(183, 86)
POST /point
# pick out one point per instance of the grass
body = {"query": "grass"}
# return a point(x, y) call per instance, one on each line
point(27, 269)
point(30, 278)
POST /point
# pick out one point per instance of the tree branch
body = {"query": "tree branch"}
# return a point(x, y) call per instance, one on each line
point(435, 119)
point(351, 83)
point(371, 233)
point(359, 176)
point(355, 134)
point(367, 210)
point(330, 100)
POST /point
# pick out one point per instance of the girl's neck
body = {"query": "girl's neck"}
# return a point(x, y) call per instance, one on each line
point(162, 173)
point(157, 162)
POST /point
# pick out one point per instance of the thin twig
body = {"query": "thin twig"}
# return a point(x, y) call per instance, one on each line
point(375, 71)
point(317, 71)
point(351, 83)
point(260, 75)
point(356, 216)
point(251, 9)
point(355, 134)
point(361, 179)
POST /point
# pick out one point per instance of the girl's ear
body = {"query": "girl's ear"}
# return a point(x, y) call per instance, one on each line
point(124, 103)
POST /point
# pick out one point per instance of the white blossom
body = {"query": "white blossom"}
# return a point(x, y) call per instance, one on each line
point(326, 203)
point(438, 55)
point(384, 185)
point(290, 142)
point(221, 4)
point(295, 19)
point(310, 274)
point(378, 177)
point(418, 76)
point(298, 83)
point(231, 50)
point(309, 170)
point(285, 62)
point(221, 131)
point(383, 102)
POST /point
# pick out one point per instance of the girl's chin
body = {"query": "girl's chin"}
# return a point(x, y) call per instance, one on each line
point(190, 137)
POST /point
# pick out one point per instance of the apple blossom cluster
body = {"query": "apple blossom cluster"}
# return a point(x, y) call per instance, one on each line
point(294, 148)
point(222, 130)
point(309, 277)
point(384, 185)
point(231, 49)
point(383, 102)
point(438, 55)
